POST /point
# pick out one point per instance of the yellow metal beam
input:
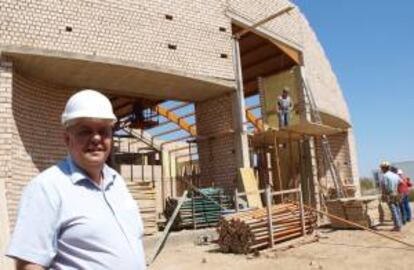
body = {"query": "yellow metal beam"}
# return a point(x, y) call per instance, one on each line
point(174, 118)
point(257, 123)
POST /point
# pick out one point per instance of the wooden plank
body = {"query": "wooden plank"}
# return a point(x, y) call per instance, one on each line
point(277, 162)
point(265, 20)
point(251, 188)
point(167, 228)
point(269, 215)
point(312, 129)
point(257, 122)
point(293, 54)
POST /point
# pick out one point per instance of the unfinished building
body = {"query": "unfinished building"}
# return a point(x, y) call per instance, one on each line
point(222, 72)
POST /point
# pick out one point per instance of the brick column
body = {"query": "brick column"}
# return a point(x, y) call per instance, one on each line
point(6, 127)
point(216, 144)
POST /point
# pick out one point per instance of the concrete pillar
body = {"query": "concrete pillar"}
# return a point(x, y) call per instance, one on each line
point(6, 128)
point(239, 113)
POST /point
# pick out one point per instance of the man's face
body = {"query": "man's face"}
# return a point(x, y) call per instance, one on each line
point(89, 142)
point(284, 93)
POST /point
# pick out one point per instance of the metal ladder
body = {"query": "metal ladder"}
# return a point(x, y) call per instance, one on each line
point(326, 148)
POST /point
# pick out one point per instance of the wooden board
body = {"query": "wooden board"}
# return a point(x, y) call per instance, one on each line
point(312, 129)
point(251, 188)
point(294, 132)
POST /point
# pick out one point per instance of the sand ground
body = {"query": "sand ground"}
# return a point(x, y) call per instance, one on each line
point(334, 249)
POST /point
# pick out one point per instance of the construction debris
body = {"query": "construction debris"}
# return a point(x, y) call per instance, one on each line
point(248, 231)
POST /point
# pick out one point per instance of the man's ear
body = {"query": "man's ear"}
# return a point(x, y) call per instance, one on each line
point(66, 138)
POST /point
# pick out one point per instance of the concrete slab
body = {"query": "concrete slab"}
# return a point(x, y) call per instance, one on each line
point(115, 76)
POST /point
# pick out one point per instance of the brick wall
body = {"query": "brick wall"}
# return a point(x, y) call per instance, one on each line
point(37, 140)
point(138, 31)
point(340, 149)
point(6, 78)
point(217, 155)
point(127, 30)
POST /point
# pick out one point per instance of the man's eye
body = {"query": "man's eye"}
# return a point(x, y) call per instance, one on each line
point(83, 133)
point(105, 132)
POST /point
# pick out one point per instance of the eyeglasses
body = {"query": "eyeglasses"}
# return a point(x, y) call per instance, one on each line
point(84, 132)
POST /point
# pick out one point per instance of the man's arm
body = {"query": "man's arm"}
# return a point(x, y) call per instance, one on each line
point(32, 244)
point(23, 265)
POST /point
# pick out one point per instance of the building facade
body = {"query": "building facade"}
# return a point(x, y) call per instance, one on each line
point(150, 51)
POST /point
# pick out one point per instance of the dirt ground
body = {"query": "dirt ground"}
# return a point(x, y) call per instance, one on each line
point(334, 249)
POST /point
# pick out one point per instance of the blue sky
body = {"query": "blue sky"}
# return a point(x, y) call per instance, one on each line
point(370, 46)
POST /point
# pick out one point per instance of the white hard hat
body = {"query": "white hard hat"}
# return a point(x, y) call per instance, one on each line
point(88, 104)
point(385, 164)
point(400, 172)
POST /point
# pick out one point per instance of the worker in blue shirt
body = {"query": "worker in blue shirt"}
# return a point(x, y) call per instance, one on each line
point(389, 188)
point(79, 214)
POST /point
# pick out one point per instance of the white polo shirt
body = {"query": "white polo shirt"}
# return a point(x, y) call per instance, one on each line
point(66, 221)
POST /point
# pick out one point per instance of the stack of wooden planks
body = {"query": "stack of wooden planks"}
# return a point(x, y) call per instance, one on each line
point(361, 210)
point(144, 194)
point(198, 211)
point(248, 231)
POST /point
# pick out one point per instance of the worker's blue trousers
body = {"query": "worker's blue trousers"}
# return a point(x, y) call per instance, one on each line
point(396, 214)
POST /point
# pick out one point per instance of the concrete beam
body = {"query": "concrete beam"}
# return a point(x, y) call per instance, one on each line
point(118, 77)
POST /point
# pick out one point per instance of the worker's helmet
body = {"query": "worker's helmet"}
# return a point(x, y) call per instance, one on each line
point(87, 104)
point(385, 164)
point(286, 89)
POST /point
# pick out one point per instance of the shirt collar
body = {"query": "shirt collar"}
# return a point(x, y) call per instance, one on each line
point(77, 174)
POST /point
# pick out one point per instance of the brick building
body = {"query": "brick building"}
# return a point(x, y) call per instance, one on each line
point(149, 52)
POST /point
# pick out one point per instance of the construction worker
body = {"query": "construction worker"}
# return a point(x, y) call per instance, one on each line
point(284, 107)
point(79, 214)
point(390, 193)
point(404, 191)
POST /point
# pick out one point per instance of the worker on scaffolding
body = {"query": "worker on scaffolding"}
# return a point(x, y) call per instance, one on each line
point(284, 107)
point(79, 214)
point(389, 187)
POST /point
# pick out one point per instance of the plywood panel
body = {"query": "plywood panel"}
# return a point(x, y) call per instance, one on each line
point(250, 187)
point(271, 88)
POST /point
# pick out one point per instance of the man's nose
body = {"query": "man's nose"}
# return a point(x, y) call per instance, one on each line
point(96, 136)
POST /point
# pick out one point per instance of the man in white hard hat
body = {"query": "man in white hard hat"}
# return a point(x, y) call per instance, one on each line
point(390, 193)
point(79, 214)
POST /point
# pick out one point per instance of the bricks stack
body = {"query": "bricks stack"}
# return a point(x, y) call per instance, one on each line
point(363, 211)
